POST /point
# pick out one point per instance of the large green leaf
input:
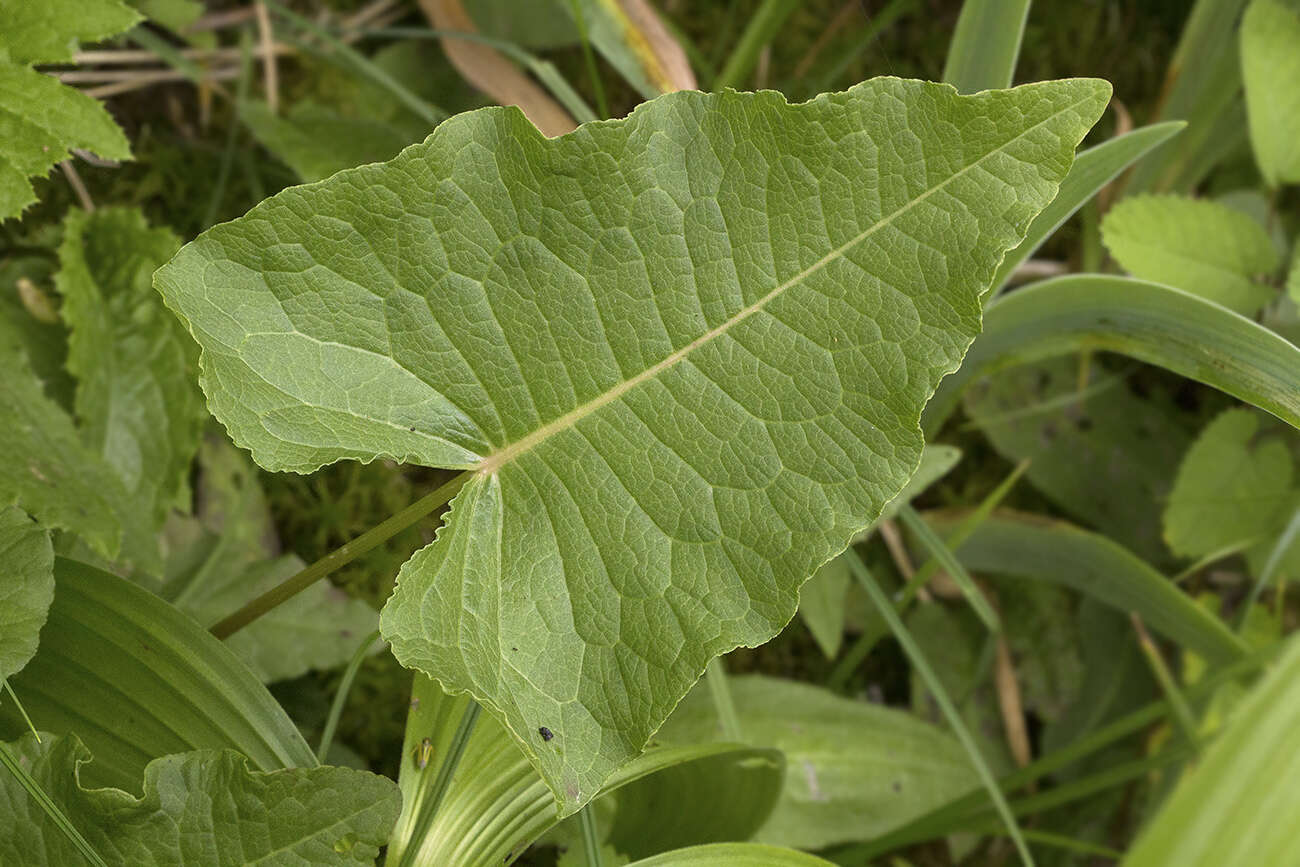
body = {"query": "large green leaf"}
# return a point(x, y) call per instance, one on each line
point(135, 679)
point(1202, 247)
point(1270, 71)
point(41, 119)
point(26, 587)
point(134, 364)
point(683, 355)
point(205, 807)
point(853, 770)
point(1153, 323)
point(1236, 806)
point(496, 804)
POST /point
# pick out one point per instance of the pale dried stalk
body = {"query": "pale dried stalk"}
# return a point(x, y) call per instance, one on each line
point(78, 187)
point(1011, 706)
point(270, 72)
point(486, 69)
point(898, 553)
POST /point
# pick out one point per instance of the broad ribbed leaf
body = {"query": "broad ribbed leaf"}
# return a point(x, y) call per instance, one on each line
point(136, 680)
point(206, 807)
point(853, 770)
point(683, 355)
point(136, 399)
point(26, 587)
point(1270, 71)
point(1202, 247)
point(41, 119)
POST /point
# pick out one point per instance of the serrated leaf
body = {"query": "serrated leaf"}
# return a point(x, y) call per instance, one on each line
point(204, 807)
point(1270, 71)
point(134, 363)
point(822, 597)
point(26, 587)
point(41, 119)
point(137, 680)
point(1232, 487)
point(47, 469)
point(683, 355)
point(853, 770)
point(1199, 246)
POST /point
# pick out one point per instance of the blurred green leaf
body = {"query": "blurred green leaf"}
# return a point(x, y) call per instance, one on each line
point(1270, 70)
point(1196, 245)
point(986, 44)
point(316, 141)
point(853, 770)
point(206, 807)
point(733, 855)
point(26, 588)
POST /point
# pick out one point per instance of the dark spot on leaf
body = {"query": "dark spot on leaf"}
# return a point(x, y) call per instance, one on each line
point(412, 430)
point(516, 649)
point(897, 787)
point(1084, 423)
point(546, 733)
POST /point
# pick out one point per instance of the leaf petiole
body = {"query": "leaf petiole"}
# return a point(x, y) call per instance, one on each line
point(340, 557)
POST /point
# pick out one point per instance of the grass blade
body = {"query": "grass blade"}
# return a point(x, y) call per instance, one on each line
point(21, 710)
point(1092, 170)
point(932, 683)
point(341, 696)
point(716, 674)
point(943, 555)
point(1147, 321)
point(762, 29)
point(986, 44)
point(51, 809)
point(1182, 711)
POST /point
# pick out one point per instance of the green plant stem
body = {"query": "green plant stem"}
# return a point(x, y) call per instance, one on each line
point(340, 557)
point(1181, 709)
point(720, 690)
point(935, 686)
point(232, 134)
point(1270, 566)
point(51, 809)
point(762, 28)
point(590, 837)
point(21, 710)
point(341, 696)
point(432, 800)
point(597, 86)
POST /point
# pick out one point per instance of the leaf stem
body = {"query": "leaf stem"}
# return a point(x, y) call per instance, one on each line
point(341, 696)
point(340, 557)
point(590, 837)
point(21, 710)
point(716, 675)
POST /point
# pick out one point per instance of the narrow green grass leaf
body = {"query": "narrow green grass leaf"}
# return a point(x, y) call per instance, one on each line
point(944, 557)
point(1182, 711)
point(51, 810)
point(763, 27)
point(1093, 169)
point(1236, 806)
point(341, 695)
point(1033, 547)
point(723, 706)
point(950, 712)
point(1156, 324)
point(986, 44)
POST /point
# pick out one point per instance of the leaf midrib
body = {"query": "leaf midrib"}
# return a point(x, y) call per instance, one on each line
point(494, 461)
